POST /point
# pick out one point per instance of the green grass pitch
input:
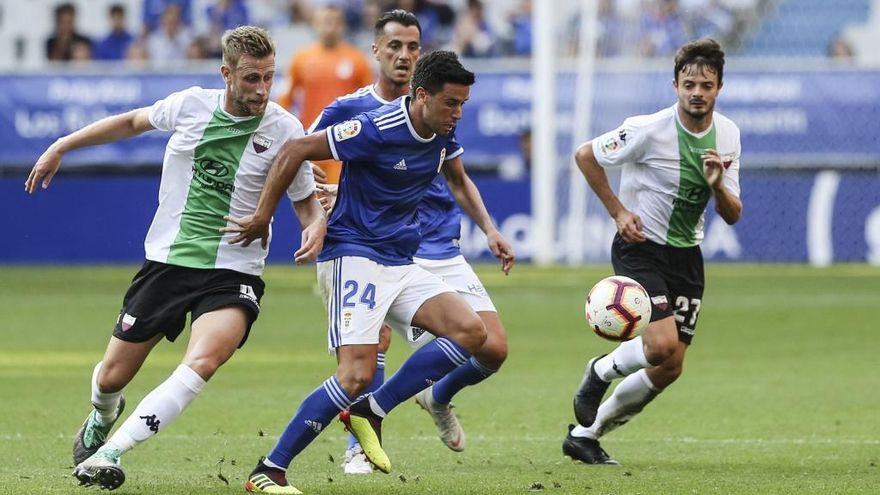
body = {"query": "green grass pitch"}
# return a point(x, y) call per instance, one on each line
point(780, 395)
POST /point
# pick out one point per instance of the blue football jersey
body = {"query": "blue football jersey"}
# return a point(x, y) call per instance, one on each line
point(439, 215)
point(388, 169)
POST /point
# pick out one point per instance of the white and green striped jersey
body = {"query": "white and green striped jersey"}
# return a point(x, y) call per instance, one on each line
point(662, 179)
point(215, 165)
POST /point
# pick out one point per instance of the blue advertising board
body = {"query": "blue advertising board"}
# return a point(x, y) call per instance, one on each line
point(788, 216)
point(788, 118)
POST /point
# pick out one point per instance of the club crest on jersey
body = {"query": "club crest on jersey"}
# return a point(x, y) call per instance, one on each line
point(346, 130)
point(262, 143)
point(442, 159)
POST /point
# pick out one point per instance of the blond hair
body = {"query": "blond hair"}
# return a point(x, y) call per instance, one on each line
point(246, 40)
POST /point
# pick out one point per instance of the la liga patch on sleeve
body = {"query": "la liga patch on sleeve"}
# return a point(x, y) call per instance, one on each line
point(346, 130)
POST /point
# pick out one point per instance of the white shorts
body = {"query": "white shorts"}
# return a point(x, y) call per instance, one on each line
point(360, 294)
point(458, 274)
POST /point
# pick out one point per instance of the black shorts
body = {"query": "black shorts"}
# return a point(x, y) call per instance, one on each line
point(161, 295)
point(672, 276)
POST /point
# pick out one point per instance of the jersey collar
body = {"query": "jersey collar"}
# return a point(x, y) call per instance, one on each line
point(404, 104)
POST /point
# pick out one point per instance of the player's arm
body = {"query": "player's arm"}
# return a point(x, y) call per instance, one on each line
point(468, 197)
point(106, 130)
point(314, 228)
point(728, 206)
point(281, 175)
point(629, 225)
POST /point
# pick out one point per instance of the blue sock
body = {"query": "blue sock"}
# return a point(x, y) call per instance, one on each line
point(428, 364)
point(378, 380)
point(315, 412)
point(470, 373)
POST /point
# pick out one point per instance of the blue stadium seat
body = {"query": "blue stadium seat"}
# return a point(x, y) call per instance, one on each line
point(803, 28)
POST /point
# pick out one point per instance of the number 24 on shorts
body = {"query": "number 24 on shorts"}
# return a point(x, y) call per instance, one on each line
point(368, 296)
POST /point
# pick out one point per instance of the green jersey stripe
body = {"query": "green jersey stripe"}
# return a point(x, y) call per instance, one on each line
point(693, 190)
point(215, 163)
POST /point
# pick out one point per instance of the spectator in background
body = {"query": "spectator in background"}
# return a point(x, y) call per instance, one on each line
point(80, 51)
point(154, 9)
point(840, 50)
point(521, 30)
point(436, 18)
point(59, 46)
point(221, 16)
point(473, 35)
point(115, 44)
point(707, 18)
point(170, 42)
point(323, 71)
point(137, 55)
point(661, 29)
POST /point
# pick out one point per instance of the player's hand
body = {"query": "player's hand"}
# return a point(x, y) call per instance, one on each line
point(319, 173)
point(327, 196)
point(249, 228)
point(713, 168)
point(502, 250)
point(44, 170)
point(312, 242)
point(629, 226)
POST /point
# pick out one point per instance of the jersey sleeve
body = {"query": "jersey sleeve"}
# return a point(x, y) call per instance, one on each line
point(354, 140)
point(164, 113)
point(730, 178)
point(622, 145)
point(453, 148)
point(304, 181)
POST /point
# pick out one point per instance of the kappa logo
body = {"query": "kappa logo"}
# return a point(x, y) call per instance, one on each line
point(346, 130)
point(401, 165)
point(442, 159)
point(247, 292)
point(128, 321)
point(262, 143)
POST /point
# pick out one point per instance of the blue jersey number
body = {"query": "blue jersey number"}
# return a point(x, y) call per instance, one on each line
point(368, 297)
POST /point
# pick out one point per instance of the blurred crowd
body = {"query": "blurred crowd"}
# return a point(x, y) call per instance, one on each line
point(176, 30)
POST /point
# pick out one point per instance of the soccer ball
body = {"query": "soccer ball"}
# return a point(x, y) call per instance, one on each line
point(618, 308)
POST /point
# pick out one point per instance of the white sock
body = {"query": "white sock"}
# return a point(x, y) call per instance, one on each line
point(105, 404)
point(268, 463)
point(374, 406)
point(632, 394)
point(628, 358)
point(158, 409)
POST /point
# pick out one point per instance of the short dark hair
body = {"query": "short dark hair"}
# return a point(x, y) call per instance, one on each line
point(399, 16)
point(704, 52)
point(435, 69)
point(64, 8)
point(117, 8)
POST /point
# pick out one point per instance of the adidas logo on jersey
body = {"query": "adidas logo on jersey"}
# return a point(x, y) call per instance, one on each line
point(401, 165)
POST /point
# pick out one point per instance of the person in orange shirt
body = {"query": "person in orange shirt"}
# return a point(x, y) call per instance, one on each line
point(323, 71)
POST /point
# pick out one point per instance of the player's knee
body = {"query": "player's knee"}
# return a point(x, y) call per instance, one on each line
point(205, 366)
point(469, 332)
point(668, 372)
point(112, 378)
point(493, 353)
point(355, 381)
